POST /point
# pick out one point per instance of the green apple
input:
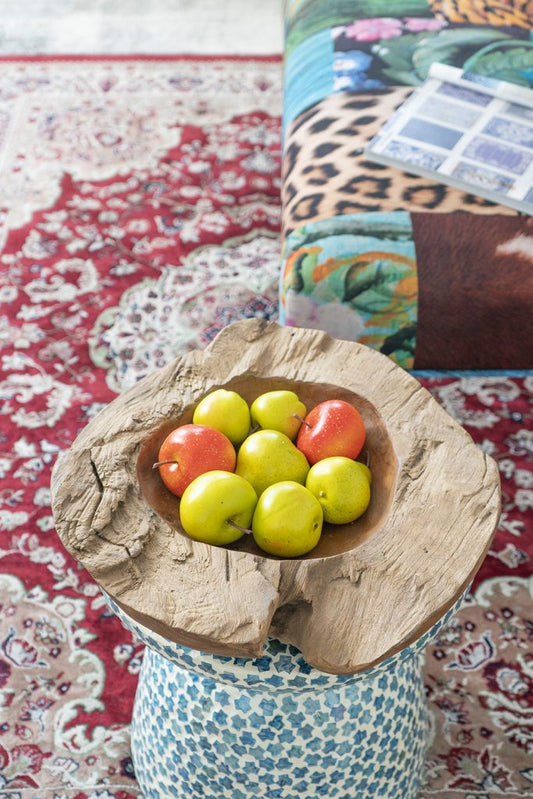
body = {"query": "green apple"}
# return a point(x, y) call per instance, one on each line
point(217, 507)
point(226, 411)
point(278, 410)
point(366, 471)
point(342, 486)
point(267, 457)
point(287, 520)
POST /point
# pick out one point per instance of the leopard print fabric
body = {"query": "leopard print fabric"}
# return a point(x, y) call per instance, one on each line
point(326, 173)
point(474, 12)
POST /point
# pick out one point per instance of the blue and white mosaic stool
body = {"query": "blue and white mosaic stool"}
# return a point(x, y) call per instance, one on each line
point(235, 728)
point(281, 678)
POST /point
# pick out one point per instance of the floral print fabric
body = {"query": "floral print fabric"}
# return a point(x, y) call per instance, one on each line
point(356, 278)
point(347, 45)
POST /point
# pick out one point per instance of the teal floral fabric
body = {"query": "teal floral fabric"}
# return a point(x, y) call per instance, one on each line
point(355, 276)
point(353, 46)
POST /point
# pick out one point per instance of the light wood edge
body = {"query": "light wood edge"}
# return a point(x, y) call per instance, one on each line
point(346, 612)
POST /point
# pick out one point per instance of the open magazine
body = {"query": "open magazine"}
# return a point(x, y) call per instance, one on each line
point(465, 130)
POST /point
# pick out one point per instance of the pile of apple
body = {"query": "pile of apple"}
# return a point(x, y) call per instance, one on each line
point(270, 469)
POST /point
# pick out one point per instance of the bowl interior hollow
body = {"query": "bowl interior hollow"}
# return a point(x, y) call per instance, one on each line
point(377, 452)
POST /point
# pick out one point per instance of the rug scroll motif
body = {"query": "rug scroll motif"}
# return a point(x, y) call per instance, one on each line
point(140, 213)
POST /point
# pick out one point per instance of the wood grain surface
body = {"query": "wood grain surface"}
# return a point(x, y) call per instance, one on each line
point(368, 589)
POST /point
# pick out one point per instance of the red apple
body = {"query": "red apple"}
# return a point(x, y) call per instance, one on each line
point(189, 451)
point(332, 428)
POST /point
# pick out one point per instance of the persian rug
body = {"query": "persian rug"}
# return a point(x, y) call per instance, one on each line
point(140, 214)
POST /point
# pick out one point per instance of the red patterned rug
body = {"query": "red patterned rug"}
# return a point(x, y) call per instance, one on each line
point(140, 213)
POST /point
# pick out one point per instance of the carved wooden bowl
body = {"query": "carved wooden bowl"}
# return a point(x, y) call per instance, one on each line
point(366, 591)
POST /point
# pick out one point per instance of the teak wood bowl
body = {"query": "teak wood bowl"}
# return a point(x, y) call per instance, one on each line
point(366, 591)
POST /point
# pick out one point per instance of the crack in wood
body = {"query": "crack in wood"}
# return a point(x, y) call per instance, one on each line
point(362, 595)
point(97, 477)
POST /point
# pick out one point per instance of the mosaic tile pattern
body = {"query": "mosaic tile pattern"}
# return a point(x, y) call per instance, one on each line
point(195, 737)
point(273, 726)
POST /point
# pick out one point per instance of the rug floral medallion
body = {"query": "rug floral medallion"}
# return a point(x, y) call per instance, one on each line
point(140, 214)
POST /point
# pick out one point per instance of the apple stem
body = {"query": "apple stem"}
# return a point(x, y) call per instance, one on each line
point(238, 527)
point(162, 463)
point(301, 420)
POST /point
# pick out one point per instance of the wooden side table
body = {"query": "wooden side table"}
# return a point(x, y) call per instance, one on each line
point(267, 677)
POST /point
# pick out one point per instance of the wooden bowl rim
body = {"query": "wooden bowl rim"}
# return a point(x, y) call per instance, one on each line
point(345, 612)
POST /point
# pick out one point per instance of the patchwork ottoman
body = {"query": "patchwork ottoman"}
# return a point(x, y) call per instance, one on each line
point(281, 677)
point(434, 277)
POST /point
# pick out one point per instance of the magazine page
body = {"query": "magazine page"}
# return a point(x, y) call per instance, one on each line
point(466, 130)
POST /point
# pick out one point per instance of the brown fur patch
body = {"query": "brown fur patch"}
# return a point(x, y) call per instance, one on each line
point(475, 291)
